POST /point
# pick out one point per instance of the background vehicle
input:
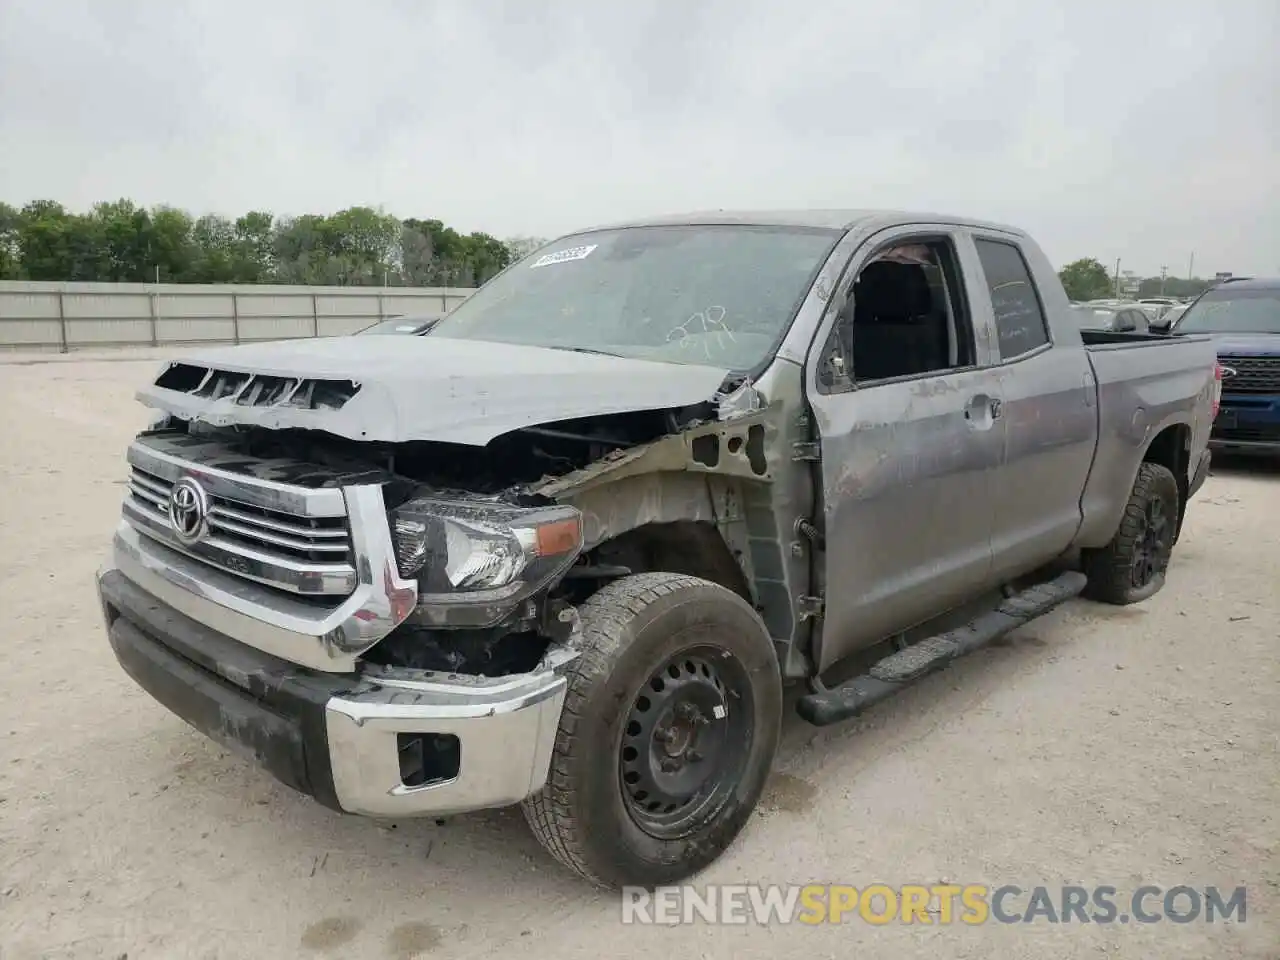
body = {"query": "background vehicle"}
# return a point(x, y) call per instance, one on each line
point(566, 553)
point(1242, 317)
point(1116, 319)
point(1156, 307)
point(1168, 318)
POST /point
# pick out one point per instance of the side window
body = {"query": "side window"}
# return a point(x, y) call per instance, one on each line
point(1020, 322)
point(905, 315)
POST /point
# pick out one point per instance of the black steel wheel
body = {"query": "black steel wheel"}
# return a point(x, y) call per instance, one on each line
point(1132, 566)
point(667, 734)
point(685, 741)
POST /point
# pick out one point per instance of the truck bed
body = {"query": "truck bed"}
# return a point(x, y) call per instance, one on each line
point(1144, 383)
point(1112, 339)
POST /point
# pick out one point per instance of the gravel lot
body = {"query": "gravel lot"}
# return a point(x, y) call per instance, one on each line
point(1098, 746)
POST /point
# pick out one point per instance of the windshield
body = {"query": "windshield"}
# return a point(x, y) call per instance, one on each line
point(1228, 310)
point(716, 295)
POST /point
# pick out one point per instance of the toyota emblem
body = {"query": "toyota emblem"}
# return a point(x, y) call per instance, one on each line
point(188, 510)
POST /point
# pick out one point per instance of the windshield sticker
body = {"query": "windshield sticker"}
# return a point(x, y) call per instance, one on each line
point(564, 256)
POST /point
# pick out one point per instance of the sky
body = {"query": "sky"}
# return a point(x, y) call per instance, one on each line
point(1128, 129)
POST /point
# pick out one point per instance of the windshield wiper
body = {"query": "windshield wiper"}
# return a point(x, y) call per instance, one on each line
point(598, 353)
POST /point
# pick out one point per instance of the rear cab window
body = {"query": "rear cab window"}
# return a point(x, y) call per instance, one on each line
point(1019, 314)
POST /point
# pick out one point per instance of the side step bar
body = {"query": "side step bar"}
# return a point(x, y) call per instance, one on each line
point(904, 667)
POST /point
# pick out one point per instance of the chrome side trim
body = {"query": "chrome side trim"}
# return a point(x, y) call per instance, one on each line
point(268, 494)
point(319, 636)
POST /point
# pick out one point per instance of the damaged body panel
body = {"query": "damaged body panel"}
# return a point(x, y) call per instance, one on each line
point(396, 389)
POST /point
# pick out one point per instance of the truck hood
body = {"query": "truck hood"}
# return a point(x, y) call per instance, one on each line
point(396, 389)
point(1246, 344)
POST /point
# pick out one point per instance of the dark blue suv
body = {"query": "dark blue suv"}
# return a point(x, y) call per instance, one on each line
point(1243, 318)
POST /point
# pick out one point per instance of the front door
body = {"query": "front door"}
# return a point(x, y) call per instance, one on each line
point(908, 456)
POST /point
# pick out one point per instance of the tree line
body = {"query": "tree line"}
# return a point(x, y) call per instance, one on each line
point(120, 241)
point(123, 242)
point(1088, 279)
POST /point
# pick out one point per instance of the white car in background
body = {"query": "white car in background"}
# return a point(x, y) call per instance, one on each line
point(1156, 307)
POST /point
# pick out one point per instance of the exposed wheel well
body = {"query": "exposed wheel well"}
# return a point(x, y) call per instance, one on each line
point(691, 547)
point(1171, 448)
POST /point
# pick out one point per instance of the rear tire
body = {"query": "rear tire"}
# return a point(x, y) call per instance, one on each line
point(1132, 566)
point(667, 735)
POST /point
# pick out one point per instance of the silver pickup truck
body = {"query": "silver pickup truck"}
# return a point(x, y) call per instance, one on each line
point(565, 549)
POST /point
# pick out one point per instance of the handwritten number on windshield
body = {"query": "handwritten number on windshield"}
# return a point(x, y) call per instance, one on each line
point(710, 327)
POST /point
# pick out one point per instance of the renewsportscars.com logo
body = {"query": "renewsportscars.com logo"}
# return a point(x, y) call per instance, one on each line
point(930, 904)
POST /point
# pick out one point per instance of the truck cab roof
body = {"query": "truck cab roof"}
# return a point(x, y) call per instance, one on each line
point(842, 219)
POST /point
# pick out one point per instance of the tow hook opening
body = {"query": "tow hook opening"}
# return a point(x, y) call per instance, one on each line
point(428, 758)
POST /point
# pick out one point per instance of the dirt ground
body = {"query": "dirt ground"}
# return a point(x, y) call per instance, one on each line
point(1098, 746)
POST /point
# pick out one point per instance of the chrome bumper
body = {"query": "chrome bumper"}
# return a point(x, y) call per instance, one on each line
point(336, 737)
point(505, 727)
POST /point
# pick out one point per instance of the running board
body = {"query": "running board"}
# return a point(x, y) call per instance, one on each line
point(904, 667)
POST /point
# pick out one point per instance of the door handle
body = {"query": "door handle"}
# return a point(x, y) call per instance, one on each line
point(982, 406)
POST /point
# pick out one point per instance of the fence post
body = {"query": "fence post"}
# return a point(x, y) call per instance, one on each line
point(154, 338)
point(315, 317)
point(235, 316)
point(62, 324)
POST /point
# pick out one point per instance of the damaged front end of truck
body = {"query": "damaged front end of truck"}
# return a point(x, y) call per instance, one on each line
point(403, 531)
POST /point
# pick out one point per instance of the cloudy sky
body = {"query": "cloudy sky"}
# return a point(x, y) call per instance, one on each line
point(1140, 130)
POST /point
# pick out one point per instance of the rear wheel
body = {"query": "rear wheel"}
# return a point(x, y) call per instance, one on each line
point(667, 735)
point(1132, 566)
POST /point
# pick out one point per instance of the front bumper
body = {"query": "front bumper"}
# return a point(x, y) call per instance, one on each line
point(342, 738)
point(1247, 423)
point(1235, 444)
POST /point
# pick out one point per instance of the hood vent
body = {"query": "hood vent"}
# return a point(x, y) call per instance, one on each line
point(255, 390)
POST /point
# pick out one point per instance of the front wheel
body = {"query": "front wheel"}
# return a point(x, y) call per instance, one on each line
point(667, 735)
point(1132, 566)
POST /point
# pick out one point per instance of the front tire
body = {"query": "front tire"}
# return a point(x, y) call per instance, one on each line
point(667, 735)
point(1132, 566)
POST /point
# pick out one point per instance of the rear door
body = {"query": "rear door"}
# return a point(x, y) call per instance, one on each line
point(1050, 407)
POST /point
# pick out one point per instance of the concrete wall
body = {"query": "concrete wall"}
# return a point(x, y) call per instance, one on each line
point(60, 317)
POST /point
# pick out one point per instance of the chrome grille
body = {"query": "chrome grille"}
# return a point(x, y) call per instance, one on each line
point(1252, 374)
point(300, 554)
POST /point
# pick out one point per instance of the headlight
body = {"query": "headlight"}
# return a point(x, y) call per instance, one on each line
point(471, 552)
